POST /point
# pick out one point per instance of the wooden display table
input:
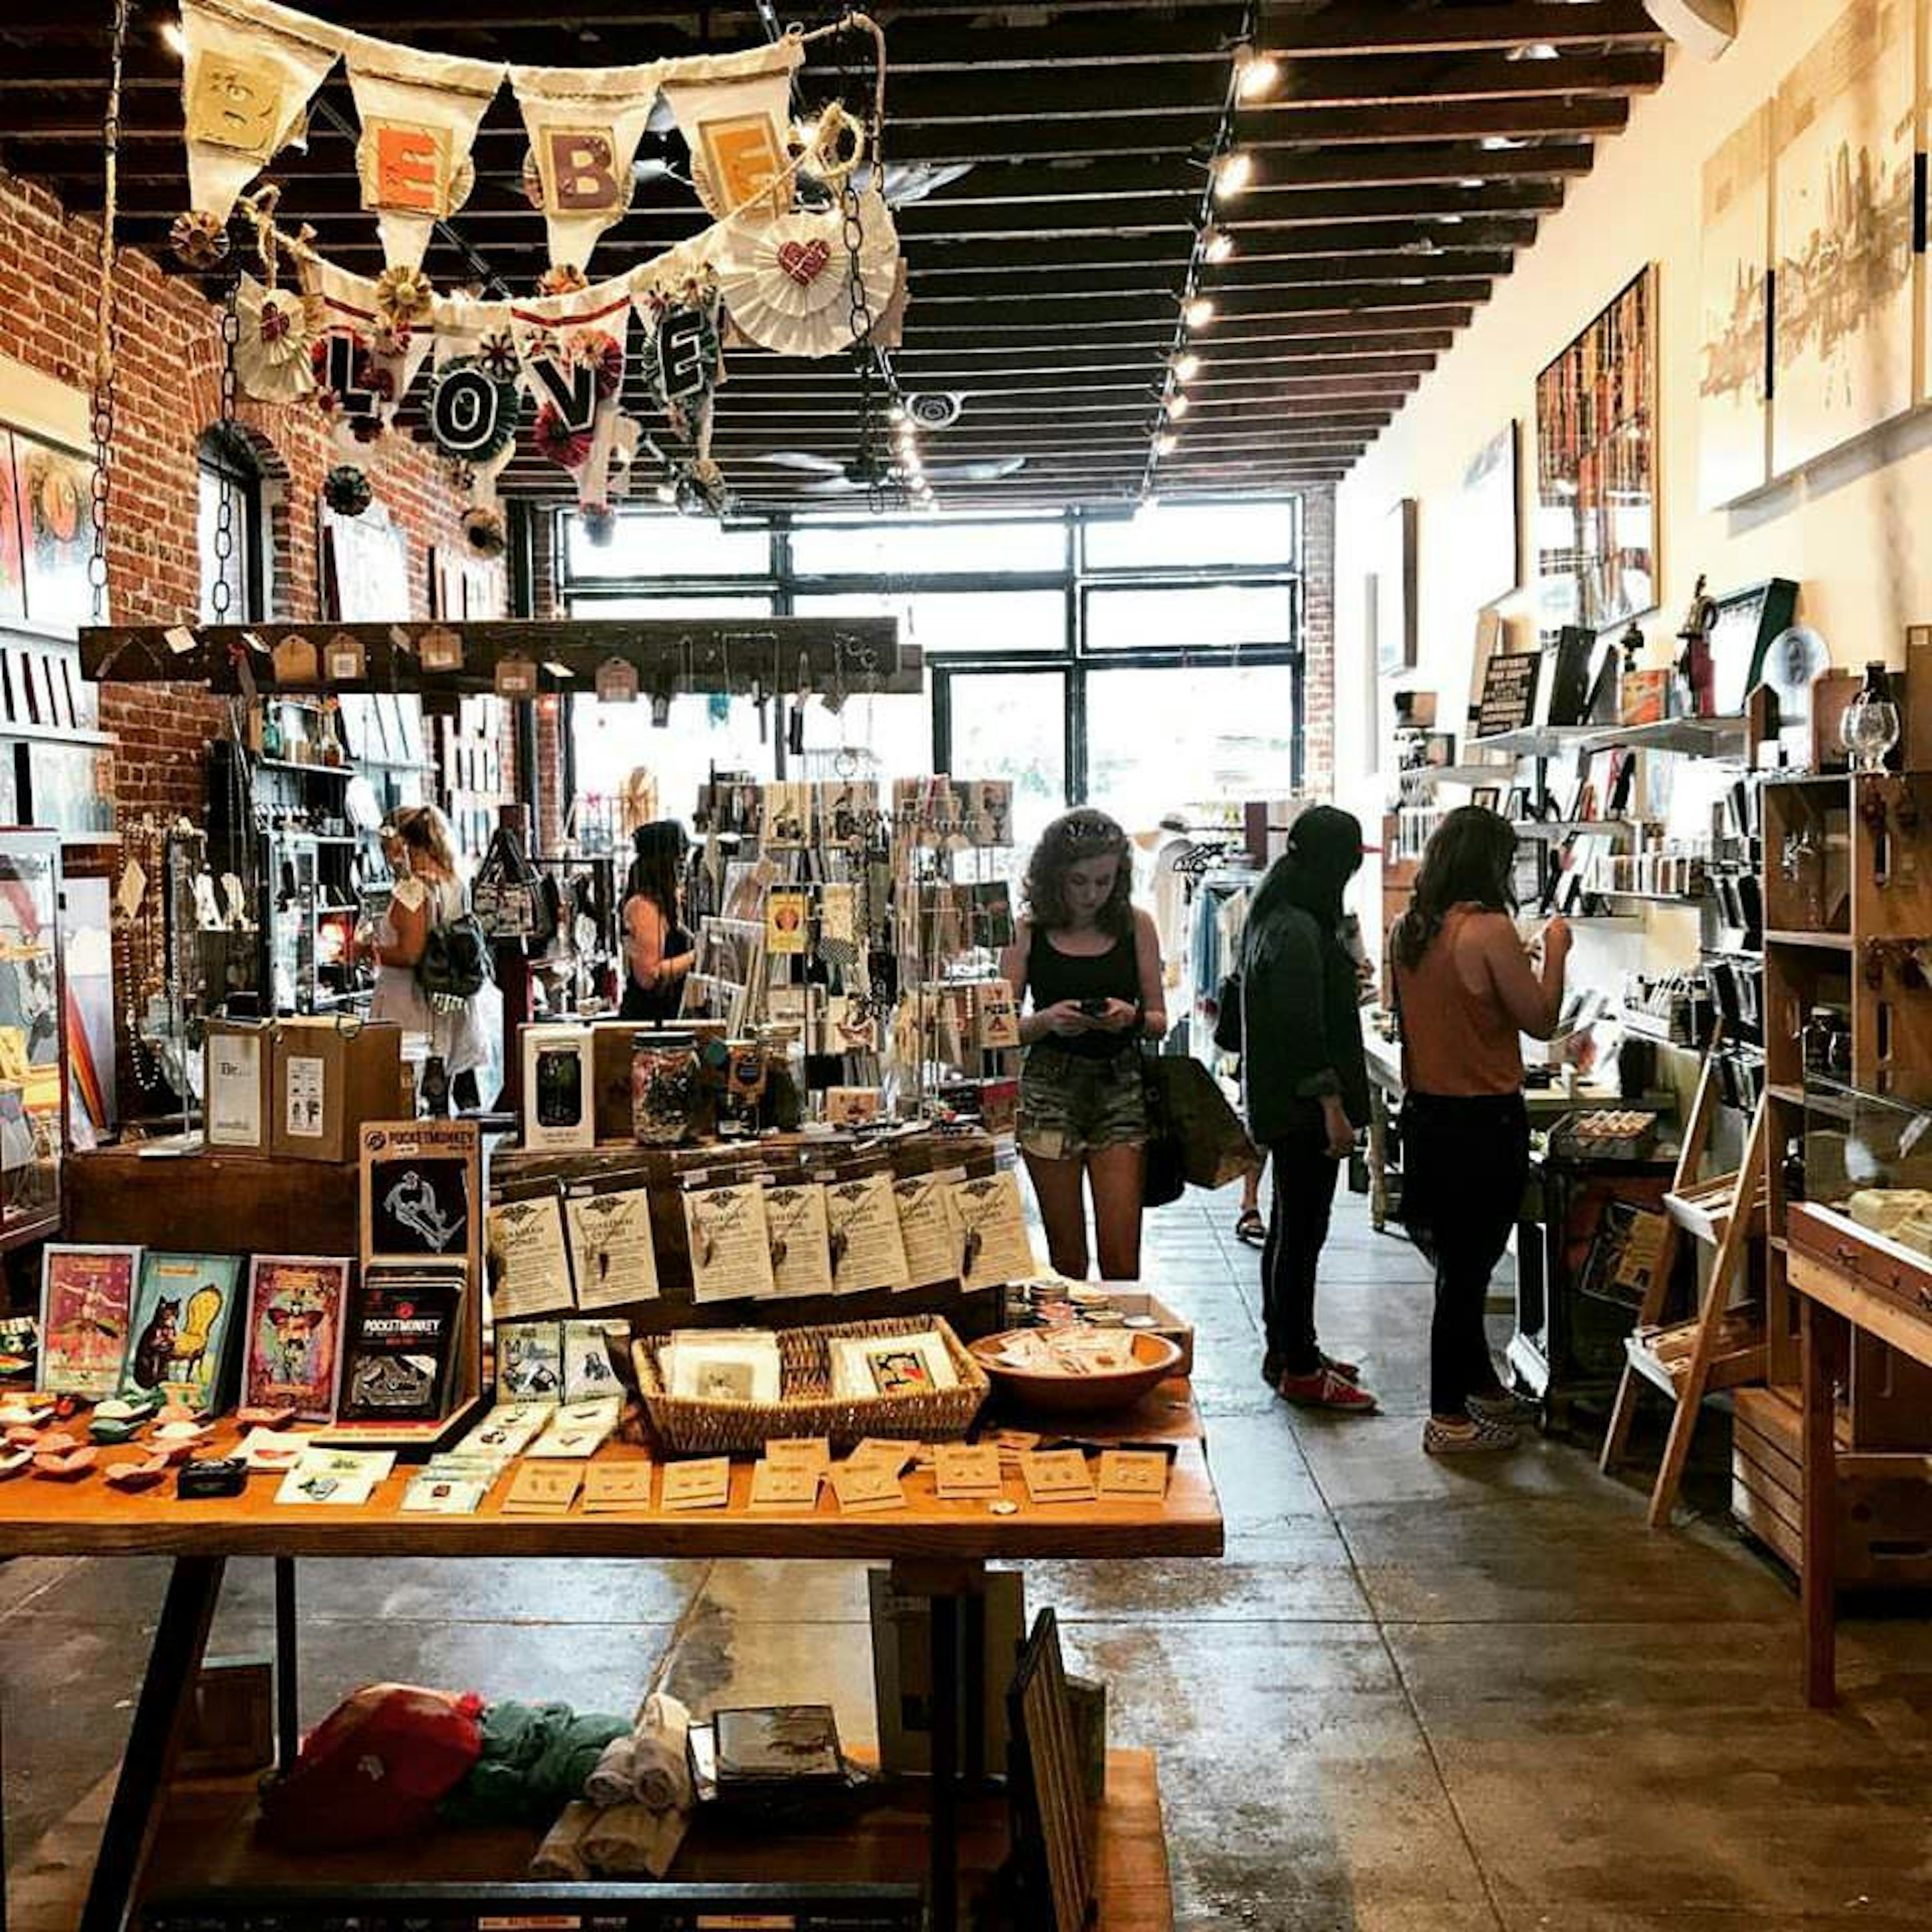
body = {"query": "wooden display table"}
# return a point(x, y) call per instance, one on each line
point(1855, 1287)
point(937, 1549)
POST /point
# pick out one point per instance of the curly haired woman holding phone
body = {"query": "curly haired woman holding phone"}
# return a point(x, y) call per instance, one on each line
point(1091, 961)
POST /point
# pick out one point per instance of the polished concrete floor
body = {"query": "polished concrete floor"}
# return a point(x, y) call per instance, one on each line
point(1414, 1697)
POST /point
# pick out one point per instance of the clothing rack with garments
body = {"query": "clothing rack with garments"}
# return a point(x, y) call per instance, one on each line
point(1219, 911)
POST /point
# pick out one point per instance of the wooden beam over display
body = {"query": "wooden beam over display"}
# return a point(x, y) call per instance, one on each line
point(1289, 29)
point(854, 654)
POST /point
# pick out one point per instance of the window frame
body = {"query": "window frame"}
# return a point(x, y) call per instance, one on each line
point(1075, 580)
point(226, 456)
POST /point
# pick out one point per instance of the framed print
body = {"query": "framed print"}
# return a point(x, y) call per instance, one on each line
point(52, 491)
point(1395, 612)
point(177, 1332)
point(1734, 317)
point(1596, 467)
point(13, 564)
point(87, 1295)
point(1491, 548)
point(1844, 164)
point(1487, 797)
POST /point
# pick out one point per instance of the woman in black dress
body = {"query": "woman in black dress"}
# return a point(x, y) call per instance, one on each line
point(658, 951)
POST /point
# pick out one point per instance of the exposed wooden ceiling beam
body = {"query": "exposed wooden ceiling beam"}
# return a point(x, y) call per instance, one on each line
point(1290, 31)
point(1390, 80)
point(1525, 118)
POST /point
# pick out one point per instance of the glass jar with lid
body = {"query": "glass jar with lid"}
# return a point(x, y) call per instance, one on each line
point(665, 1087)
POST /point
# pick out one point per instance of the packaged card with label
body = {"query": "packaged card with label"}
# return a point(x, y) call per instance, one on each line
point(428, 1493)
point(529, 1362)
point(1138, 1473)
point(706, 1484)
point(543, 1489)
point(776, 1487)
point(787, 921)
point(929, 1228)
point(963, 1470)
point(812, 1453)
point(578, 1432)
point(866, 1488)
point(867, 1249)
point(996, 1016)
point(886, 1453)
point(529, 1259)
point(994, 1245)
point(800, 1239)
point(612, 1255)
point(592, 1351)
point(730, 1249)
point(612, 1488)
point(1057, 1476)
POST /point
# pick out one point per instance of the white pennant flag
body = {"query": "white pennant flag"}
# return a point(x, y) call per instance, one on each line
point(584, 124)
point(475, 398)
point(734, 111)
point(249, 70)
point(420, 113)
point(364, 367)
point(573, 348)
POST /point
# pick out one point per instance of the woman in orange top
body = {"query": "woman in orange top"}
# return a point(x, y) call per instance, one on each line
point(1465, 990)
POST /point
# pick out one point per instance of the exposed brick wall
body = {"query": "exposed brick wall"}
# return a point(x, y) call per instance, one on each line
point(1317, 589)
point(168, 394)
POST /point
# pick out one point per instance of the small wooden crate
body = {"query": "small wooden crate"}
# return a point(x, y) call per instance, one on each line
point(807, 1406)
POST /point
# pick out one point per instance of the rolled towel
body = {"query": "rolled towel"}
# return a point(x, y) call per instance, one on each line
point(628, 1839)
point(615, 1780)
point(561, 1854)
point(661, 1756)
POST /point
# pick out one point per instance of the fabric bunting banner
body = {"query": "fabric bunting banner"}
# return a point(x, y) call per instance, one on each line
point(419, 113)
point(249, 71)
point(366, 356)
point(584, 126)
point(475, 400)
point(573, 349)
point(734, 112)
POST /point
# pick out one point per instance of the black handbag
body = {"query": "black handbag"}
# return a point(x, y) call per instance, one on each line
point(1227, 1034)
point(1164, 1178)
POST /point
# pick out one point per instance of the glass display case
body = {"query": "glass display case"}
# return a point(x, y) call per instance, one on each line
point(1866, 1157)
point(33, 1044)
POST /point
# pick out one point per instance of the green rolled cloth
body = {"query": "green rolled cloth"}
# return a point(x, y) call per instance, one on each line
point(535, 1759)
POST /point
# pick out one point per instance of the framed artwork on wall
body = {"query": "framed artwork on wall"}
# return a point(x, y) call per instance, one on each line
point(13, 564)
point(365, 569)
point(1394, 603)
point(1734, 317)
point(1596, 467)
point(1492, 539)
point(52, 491)
point(1845, 195)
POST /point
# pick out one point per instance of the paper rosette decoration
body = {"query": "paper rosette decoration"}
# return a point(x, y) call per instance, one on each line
point(584, 124)
point(248, 70)
point(787, 284)
point(419, 113)
point(273, 352)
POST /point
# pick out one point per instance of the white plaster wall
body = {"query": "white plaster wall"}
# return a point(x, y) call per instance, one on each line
point(1856, 533)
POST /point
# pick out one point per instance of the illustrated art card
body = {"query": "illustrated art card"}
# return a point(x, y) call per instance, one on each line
point(530, 1361)
point(294, 1359)
point(178, 1331)
point(87, 1295)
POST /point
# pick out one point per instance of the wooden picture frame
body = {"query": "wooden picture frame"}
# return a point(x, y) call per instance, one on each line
point(1052, 1849)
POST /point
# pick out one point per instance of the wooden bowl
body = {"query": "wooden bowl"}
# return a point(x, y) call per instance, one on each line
point(1156, 1358)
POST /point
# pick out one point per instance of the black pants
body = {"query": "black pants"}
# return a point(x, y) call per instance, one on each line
point(1465, 1161)
point(1304, 1195)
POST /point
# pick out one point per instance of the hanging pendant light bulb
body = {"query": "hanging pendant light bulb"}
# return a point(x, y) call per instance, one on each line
point(1219, 245)
point(1198, 312)
point(1176, 407)
point(1166, 443)
point(1232, 173)
point(1259, 75)
point(1187, 368)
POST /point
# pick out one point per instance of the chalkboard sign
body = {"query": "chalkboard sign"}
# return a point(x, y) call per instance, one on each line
point(1509, 692)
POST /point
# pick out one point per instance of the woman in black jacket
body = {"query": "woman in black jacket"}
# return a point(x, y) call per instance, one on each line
point(1306, 1087)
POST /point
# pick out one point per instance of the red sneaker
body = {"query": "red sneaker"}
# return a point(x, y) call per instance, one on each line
point(1325, 1389)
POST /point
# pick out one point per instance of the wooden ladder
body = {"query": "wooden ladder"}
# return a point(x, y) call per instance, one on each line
point(1710, 1352)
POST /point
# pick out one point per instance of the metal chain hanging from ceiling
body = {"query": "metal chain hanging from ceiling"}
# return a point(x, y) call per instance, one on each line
point(102, 413)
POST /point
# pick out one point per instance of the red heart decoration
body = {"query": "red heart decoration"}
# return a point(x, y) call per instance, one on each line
point(804, 262)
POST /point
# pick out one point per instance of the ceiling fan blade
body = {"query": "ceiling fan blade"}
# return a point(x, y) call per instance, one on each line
point(989, 472)
point(801, 459)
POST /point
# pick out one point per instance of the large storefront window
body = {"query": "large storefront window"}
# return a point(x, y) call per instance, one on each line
point(1147, 663)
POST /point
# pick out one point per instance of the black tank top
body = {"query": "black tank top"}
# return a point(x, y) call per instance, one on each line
point(1055, 976)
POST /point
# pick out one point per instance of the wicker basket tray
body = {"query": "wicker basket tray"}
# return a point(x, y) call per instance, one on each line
point(808, 1407)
